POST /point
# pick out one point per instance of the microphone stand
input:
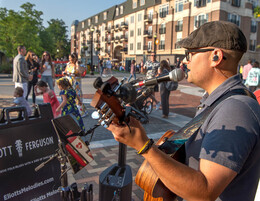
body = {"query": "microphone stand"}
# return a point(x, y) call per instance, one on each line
point(61, 156)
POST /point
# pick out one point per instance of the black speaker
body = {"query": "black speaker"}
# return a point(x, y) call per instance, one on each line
point(115, 183)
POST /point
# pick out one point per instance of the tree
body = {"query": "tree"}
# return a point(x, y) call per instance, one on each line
point(58, 33)
point(20, 28)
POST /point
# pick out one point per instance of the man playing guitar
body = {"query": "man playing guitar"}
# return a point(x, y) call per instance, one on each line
point(222, 157)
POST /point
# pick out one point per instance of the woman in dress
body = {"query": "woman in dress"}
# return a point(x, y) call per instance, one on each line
point(73, 71)
point(47, 70)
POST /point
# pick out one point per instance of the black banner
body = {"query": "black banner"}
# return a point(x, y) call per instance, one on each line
point(23, 146)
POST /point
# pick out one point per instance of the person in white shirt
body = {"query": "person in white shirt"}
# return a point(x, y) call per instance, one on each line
point(47, 70)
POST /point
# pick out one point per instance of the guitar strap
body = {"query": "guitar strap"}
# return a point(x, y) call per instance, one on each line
point(172, 145)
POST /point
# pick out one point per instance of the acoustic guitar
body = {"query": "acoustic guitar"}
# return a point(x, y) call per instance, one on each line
point(110, 108)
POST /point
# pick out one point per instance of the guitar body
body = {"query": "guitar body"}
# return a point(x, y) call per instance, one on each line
point(147, 179)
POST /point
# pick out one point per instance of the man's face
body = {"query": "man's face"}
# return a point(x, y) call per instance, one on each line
point(198, 68)
point(23, 51)
point(153, 57)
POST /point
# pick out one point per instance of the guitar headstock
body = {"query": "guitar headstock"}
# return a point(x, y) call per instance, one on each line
point(109, 106)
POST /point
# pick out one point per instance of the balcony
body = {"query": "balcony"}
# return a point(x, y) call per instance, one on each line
point(124, 25)
point(163, 14)
point(124, 49)
point(178, 28)
point(148, 33)
point(198, 23)
point(162, 30)
point(147, 48)
point(253, 29)
point(123, 38)
point(201, 3)
point(148, 18)
point(117, 39)
point(107, 51)
point(236, 3)
point(108, 30)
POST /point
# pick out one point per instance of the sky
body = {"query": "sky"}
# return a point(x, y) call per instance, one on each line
point(67, 10)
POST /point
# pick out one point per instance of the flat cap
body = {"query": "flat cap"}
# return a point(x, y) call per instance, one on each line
point(219, 34)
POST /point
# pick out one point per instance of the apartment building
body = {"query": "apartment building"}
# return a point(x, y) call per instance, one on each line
point(135, 28)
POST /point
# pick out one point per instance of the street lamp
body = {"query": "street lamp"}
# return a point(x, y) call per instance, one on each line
point(155, 43)
point(91, 50)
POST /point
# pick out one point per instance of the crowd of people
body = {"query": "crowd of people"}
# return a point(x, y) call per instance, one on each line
point(27, 67)
point(222, 159)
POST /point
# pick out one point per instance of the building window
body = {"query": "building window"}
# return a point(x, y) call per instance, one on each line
point(139, 31)
point(89, 22)
point(234, 19)
point(200, 20)
point(96, 19)
point(117, 11)
point(142, 2)
point(131, 46)
point(139, 17)
point(105, 15)
point(200, 3)
point(162, 44)
point(253, 26)
point(252, 45)
point(150, 30)
point(134, 4)
point(236, 3)
point(82, 24)
point(132, 19)
point(131, 33)
point(163, 10)
point(139, 46)
point(162, 29)
point(179, 26)
point(177, 46)
point(121, 10)
point(149, 45)
point(179, 6)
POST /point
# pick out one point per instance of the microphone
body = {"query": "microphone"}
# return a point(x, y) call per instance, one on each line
point(175, 75)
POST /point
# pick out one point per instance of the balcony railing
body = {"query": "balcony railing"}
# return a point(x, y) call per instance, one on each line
point(162, 30)
point(200, 3)
point(148, 18)
point(178, 28)
point(123, 37)
point(148, 33)
point(107, 29)
point(162, 14)
point(253, 29)
point(236, 3)
point(124, 25)
point(198, 23)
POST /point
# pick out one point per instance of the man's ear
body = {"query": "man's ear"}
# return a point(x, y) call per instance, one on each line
point(216, 57)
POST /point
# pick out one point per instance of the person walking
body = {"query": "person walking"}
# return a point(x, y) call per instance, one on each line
point(47, 70)
point(253, 77)
point(151, 67)
point(222, 160)
point(246, 69)
point(109, 67)
point(21, 75)
point(33, 67)
point(165, 94)
point(132, 71)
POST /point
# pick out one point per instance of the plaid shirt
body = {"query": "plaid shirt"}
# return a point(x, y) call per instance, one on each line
point(152, 68)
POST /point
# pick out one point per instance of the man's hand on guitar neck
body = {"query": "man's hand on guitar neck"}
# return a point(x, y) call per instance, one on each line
point(136, 139)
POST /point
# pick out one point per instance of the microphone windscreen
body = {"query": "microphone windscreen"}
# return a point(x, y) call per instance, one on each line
point(176, 75)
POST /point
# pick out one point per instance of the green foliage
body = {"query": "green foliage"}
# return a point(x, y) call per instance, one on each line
point(25, 28)
point(6, 68)
point(257, 12)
